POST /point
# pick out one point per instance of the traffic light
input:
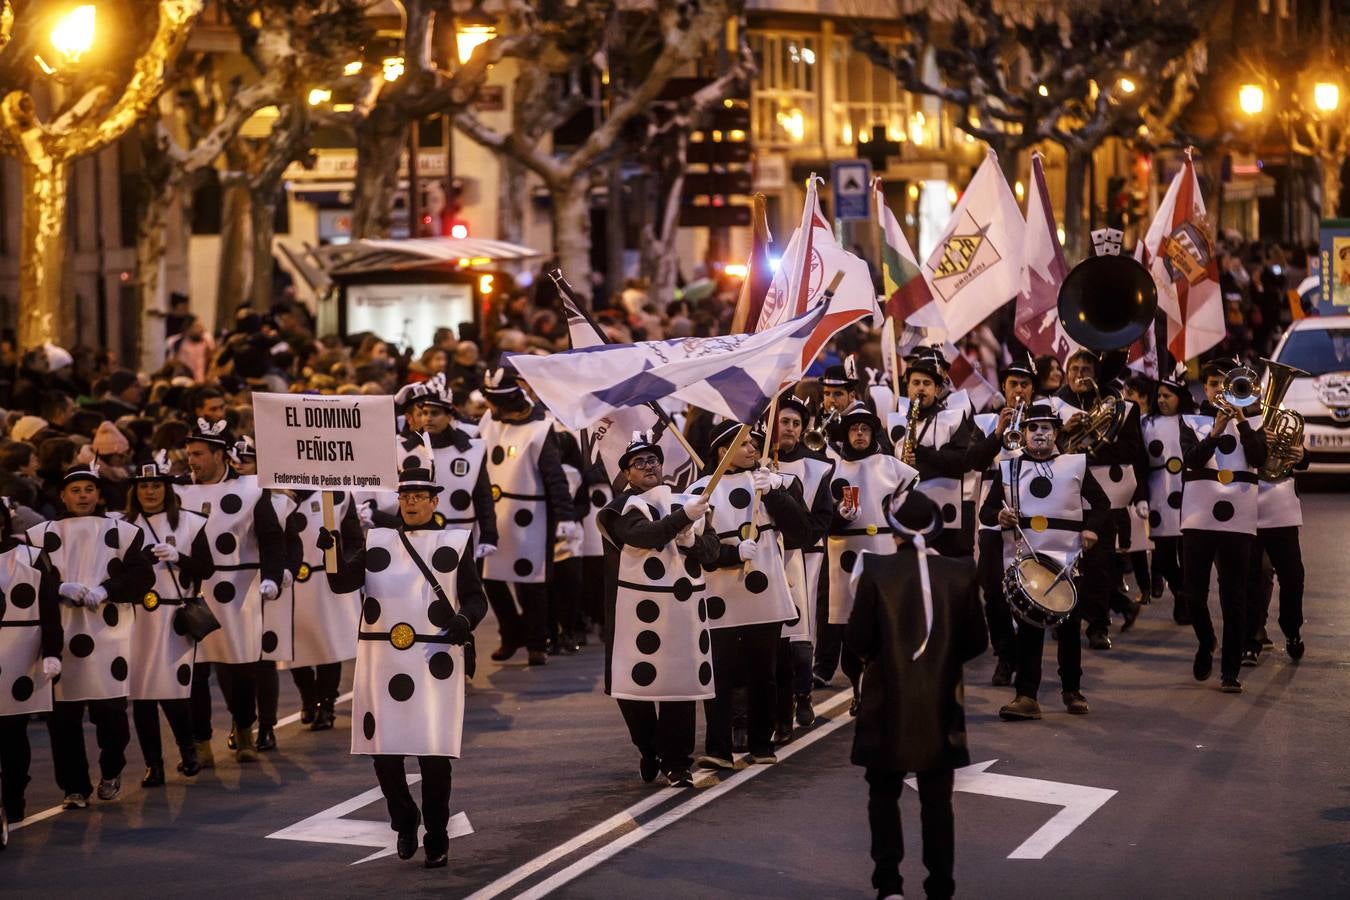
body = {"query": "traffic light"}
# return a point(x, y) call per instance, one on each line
point(718, 155)
point(452, 223)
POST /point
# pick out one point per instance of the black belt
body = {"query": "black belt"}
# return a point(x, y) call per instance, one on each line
point(868, 530)
point(1234, 475)
point(1048, 524)
point(237, 567)
point(737, 533)
point(661, 588)
point(22, 623)
point(540, 497)
point(402, 636)
point(814, 550)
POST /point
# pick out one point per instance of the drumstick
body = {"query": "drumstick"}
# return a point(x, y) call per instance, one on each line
point(1066, 571)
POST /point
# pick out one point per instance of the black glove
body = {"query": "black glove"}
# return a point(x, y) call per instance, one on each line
point(459, 630)
point(327, 539)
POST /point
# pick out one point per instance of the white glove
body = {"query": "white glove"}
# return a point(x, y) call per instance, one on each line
point(1141, 508)
point(569, 532)
point(165, 553)
point(748, 550)
point(268, 589)
point(73, 591)
point(95, 595)
point(365, 513)
point(51, 666)
point(287, 579)
point(765, 480)
point(483, 551)
point(685, 538)
point(848, 513)
point(697, 509)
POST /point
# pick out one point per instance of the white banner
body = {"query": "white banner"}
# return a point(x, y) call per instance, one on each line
point(314, 442)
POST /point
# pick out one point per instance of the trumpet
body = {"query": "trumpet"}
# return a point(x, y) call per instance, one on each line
point(817, 438)
point(1239, 392)
point(1013, 438)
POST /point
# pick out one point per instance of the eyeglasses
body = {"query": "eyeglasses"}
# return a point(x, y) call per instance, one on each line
point(645, 462)
point(419, 496)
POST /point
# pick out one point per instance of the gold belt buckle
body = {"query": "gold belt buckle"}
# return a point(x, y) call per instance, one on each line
point(303, 573)
point(871, 530)
point(402, 636)
point(150, 601)
point(749, 532)
point(1174, 465)
point(496, 493)
point(1039, 523)
point(1225, 476)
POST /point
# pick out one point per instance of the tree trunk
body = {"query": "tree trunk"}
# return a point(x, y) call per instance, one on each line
point(42, 252)
point(1331, 185)
point(614, 231)
point(1075, 172)
point(511, 201)
point(150, 248)
point(232, 281)
point(572, 232)
point(380, 142)
point(262, 213)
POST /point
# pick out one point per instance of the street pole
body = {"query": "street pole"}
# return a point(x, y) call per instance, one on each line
point(414, 204)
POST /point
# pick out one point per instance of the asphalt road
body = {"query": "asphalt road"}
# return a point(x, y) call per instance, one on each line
point(1214, 794)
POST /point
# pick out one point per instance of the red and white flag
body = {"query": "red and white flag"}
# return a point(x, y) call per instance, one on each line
point(1037, 323)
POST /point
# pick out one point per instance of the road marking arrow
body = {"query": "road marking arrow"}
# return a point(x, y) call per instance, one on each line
point(1078, 801)
point(332, 827)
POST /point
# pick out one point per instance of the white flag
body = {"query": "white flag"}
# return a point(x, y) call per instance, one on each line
point(1043, 271)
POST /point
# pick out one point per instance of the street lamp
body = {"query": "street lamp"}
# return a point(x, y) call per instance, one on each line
point(1251, 99)
point(1326, 96)
point(468, 37)
point(74, 34)
point(1127, 86)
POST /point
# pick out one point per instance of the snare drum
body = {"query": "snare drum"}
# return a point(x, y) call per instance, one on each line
point(1027, 584)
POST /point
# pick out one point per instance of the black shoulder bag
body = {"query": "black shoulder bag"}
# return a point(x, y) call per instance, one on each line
point(192, 617)
point(470, 653)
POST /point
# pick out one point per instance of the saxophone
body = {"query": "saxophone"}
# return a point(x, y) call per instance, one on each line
point(911, 429)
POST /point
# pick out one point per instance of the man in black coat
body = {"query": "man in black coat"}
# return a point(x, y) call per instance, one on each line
point(914, 638)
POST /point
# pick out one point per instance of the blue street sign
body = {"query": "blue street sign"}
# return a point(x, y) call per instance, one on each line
point(849, 182)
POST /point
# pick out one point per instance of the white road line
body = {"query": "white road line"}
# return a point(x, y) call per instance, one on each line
point(56, 810)
point(696, 801)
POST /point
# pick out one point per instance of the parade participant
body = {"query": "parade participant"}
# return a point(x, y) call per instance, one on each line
point(423, 599)
point(1135, 541)
point(161, 656)
point(746, 606)
point(249, 546)
point(1162, 441)
point(838, 391)
point(937, 448)
point(657, 648)
point(807, 573)
point(533, 506)
point(915, 621)
point(565, 586)
point(1219, 521)
point(599, 494)
point(102, 566)
point(1112, 464)
point(1048, 503)
point(1279, 519)
point(30, 657)
point(988, 449)
point(864, 481)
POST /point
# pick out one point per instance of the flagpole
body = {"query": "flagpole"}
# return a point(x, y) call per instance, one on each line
point(556, 274)
point(725, 462)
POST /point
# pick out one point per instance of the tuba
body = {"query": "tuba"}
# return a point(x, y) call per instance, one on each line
point(1284, 425)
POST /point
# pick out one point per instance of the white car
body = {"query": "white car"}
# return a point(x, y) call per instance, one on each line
point(1320, 345)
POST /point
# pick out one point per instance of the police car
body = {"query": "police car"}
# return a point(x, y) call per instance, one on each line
point(1320, 346)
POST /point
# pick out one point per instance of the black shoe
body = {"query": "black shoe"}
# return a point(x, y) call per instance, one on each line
point(1251, 658)
point(1003, 673)
point(680, 779)
point(782, 734)
point(154, 776)
point(1230, 686)
point(504, 652)
point(649, 767)
point(436, 860)
point(1180, 615)
point(853, 706)
point(267, 739)
point(232, 742)
point(806, 716)
point(1157, 587)
point(324, 717)
point(407, 840)
point(740, 739)
point(189, 765)
point(817, 682)
point(307, 713)
point(1294, 647)
point(1130, 613)
point(1203, 666)
point(1097, 640)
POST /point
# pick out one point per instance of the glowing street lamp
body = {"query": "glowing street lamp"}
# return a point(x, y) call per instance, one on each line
point(1326, 96)
point(73, 35)
point(1127, 86)
point(469, 37)
point(1251, 99)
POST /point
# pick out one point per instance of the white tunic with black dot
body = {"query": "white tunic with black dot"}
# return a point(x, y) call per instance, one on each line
point(1162, 442)
point(278, 637)
point(935, 432)
point(161, 656)
point(88, 550)
point(879, 477)
point(409, 701)
point(803, 566)
point(987, 422)
point(325, 622)
point(1278, 505)
point(661, 643)
point(1222, 496)
point(1048, 497)
point(523, 539)
point(24, 690)
point(598, 497)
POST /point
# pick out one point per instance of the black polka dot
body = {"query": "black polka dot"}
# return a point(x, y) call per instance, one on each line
point(441, 665)
point(523, 518)
point(223, 592)
point(648, 611)
point(897, 432)
point(1115, 473)
point(51, 542)
point(296, 522)
point(523, 567)
point(498, 455)
point(654, 569)
point(756, 582)
point(231, 503)
point(644, 673)
point(703, 610)
point(704, 642)
point(847, 559)
point(1155, 448)
point(184, 674)
point(119, 669)
point(370, 610)
point(705, 674)
point(368, 726)
point(445, 559)
point(23, 596)
point(81, 645)
point(411, 461)
point(949, 512)
point(598, 499)
point(717, 607)
point(1228, 444)
point(338, 497)
point(697, 490)
point(461, 499)
point(225, 543)
point(440, 613)
point(692, 568)
point(23, 688)
point(648, 642)
point(1223, 511)
point(110, 615)
point(111, 538)
point(401, 687)
point(1154, 518)
point(739, 498)
point(115, 567)
point(683, 589)
point(377, 559)
point(837, 488)
point(1041, 487)
point(1174, 499)
point(269, 641)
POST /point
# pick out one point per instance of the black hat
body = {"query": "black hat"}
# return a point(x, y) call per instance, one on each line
point(217, 435)
point(502, 385)
point(82, 473)
point(837, 376)
point(155, 470)
point(642, 442)
point(926, 364)
point(1041, 412)
point(855, 414)
point(421, 475)
point(724, 432)
point(792, 402)
point(435, 392)
point(1023, 365)
point(913, 513)
point(243, 447)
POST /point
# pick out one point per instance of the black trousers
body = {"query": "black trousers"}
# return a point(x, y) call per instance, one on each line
point(393, 780)
point(145, 716)
point(564, 597)
point(1281, 546)
point(663, 730)
point(936, 819)
point(239, 684)
point(989, 570)
point(317, 684)
point(16, 756)
point(1139, 565)
point(1030, 648)
point(1099, 580)
point(1202, 550)
point(830, 653)
point(593, 590)
point(743, 656)
point(524, 627)
point(1167, 563)
point(65, 726)
point(793, 677)
point(269, 693)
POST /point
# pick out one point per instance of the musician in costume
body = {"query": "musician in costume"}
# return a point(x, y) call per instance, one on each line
point(1050, 504)
point(533, 507)
point(31, 639)
point(1162, 442)
point(161, 655)
point(248, 543)
point(422, 600)
point(565, 586)
point(915, 621)
point(1222, 453)
point(838, 390)
point(864, 481)
point(934, 440)
point(658, 652)
point(103, 571)
point(746, 605)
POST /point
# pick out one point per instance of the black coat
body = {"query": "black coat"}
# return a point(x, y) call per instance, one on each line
point(911, 718)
